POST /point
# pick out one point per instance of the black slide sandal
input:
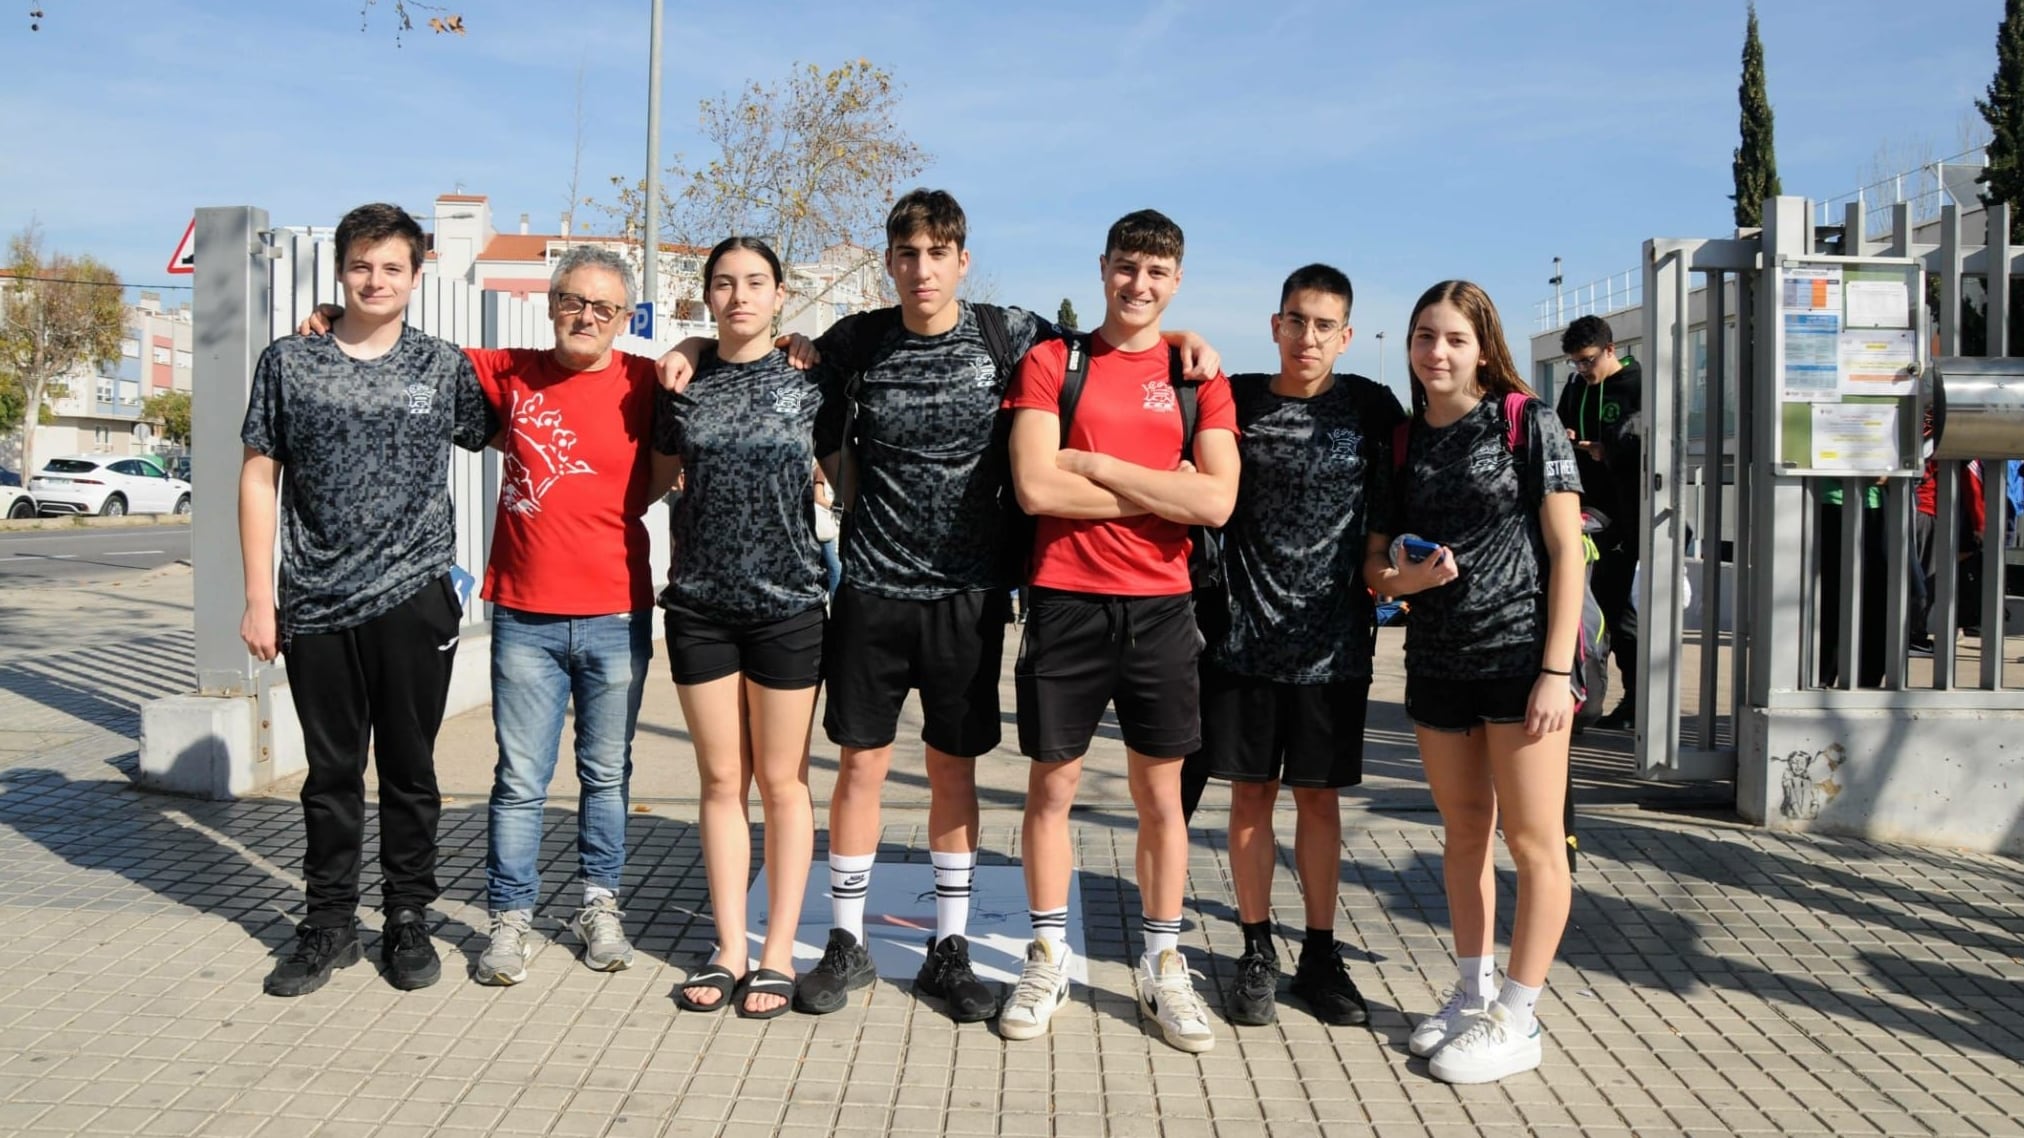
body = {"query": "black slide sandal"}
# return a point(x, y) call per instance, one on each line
point(715, 977)
point(765, 982)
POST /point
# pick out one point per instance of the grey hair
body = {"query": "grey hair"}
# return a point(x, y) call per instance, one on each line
point(593, 257)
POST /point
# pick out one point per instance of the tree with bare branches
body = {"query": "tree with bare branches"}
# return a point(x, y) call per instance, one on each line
point(59, 316)
point(810, 163)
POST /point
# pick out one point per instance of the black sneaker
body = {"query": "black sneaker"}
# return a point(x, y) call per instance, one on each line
point(845, 967)
point(405, 951)
point(1322, 982)
point(319, 949)
point(1624, 718)
point(1252, 998)
point(946, 975)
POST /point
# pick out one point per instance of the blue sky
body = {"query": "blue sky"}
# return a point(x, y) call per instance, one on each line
point(1403, 143)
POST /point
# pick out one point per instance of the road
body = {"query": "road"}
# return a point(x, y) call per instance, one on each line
point(83, 555)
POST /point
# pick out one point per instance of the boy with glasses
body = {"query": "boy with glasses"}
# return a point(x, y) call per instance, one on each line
point(1284, 689)
point(1600, 407)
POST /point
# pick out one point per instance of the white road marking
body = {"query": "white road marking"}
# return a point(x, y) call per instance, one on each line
point(131, 553)
point(42, 557)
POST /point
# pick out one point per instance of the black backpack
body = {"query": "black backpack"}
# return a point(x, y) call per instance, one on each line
point(1205, 543)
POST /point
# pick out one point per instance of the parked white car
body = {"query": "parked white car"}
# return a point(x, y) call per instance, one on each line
point(16, 503)
point(102, 484)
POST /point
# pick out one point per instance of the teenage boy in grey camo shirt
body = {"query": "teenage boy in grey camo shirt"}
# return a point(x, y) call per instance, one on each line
point(1285, 683)
point(362, 420)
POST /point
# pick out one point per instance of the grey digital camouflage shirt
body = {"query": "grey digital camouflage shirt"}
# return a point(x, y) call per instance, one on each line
point(1293, 547)
point(364, 447)
point(743, 547)
point(1463, 486)
point(933, 473)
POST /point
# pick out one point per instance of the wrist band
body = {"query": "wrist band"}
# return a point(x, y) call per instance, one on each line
point(1555, 671)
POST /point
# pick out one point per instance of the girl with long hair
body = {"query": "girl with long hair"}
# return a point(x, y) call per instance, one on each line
point(745, 612)
point(1486, 511)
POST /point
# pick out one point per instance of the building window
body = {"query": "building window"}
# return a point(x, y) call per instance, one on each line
point(131, 349)
point(101, 436)
point(161, 355)
point(183, 359)
point(105, 391)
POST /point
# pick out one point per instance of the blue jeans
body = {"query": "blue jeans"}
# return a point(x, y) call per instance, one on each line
point(539, 665)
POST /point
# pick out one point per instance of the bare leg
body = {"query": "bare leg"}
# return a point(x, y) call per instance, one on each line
point(1531, 778)
point(854, 806)
point(1317, 852)
point(1043, 832)
point(778, 723)
point(1162, 833)
point(1458, 772)
point(715, 716)
point(1253, 851)
point(952, 803)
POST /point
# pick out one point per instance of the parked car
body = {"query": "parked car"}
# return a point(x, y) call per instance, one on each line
point(102, 484)
point(16, 502)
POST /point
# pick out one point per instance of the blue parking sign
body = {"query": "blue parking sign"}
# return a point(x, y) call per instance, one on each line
point(643, 320)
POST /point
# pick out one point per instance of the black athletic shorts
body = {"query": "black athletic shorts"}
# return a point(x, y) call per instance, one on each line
point(784, 654)
point(1083, 652)
point(1304, 735)
point(1459, 705)
point(879, 648)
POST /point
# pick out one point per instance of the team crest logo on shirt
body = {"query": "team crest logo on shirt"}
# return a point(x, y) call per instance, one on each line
point(983, 375)
point(1159, 395)
point(1342, 445)
point(537, 455)
point(421, 397)
point(790, 400)
point(1488, 458)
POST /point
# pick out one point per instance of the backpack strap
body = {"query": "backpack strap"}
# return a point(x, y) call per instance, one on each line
point(875, 327)
point(1188, 392)
point(1074, 373)
point(1514, 419)
point(997, 339)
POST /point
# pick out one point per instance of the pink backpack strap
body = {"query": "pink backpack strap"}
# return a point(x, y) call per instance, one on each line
point(1514, 418)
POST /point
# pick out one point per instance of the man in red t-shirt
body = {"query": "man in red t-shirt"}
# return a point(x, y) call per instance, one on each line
point(1111, 616)
point(572, 600)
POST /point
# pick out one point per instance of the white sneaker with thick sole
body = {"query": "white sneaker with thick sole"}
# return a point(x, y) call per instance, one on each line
point(1458, 1010)
point(1492, 1048)
point(1166, 990)
point(1043, 988)
point(504, 961)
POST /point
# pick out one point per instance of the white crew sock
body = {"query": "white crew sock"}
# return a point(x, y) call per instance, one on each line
point(953, 872)
point(1051, 925)
point(1161, 934)
point(1479, 975)
point(1521, 1002)
point(849, 881)
point(592, 892)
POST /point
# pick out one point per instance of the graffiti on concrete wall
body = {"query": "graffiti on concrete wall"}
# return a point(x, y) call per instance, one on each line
point(1809, 783)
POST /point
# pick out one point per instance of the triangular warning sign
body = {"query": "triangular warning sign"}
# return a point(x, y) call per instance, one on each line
point(184, 259)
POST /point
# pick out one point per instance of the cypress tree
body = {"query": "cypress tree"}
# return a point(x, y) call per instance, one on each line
point(1755, 164)
point(2004, 112)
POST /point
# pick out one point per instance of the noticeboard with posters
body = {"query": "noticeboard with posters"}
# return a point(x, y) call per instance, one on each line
point(1850, 344)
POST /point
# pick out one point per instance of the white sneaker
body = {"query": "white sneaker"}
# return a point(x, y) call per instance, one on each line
point(1043, 988)
point(1166, 990)
point(1458, 1010)
point(1491, 1049)
point(600, 925)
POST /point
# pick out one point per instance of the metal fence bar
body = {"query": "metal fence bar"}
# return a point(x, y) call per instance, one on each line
point(1711, 512)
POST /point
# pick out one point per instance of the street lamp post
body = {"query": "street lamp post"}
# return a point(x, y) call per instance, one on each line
point(1380, 359)
point(650, 261)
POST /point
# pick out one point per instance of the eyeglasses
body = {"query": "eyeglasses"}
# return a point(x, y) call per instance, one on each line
point(1295, 326)
point(1587, 362)
point(604, 312)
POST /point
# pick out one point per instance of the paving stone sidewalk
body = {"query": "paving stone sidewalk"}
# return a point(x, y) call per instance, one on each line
point(1715, 979)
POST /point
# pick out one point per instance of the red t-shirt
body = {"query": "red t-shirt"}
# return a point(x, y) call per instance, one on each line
point(1127, 409)
point(569, 539)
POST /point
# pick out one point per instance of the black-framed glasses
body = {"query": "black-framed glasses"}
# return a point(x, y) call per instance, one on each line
point(603, 311)
point(1295, 325)
point(1587, 362)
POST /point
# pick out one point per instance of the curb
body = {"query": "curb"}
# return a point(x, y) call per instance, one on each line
point(86, 521)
